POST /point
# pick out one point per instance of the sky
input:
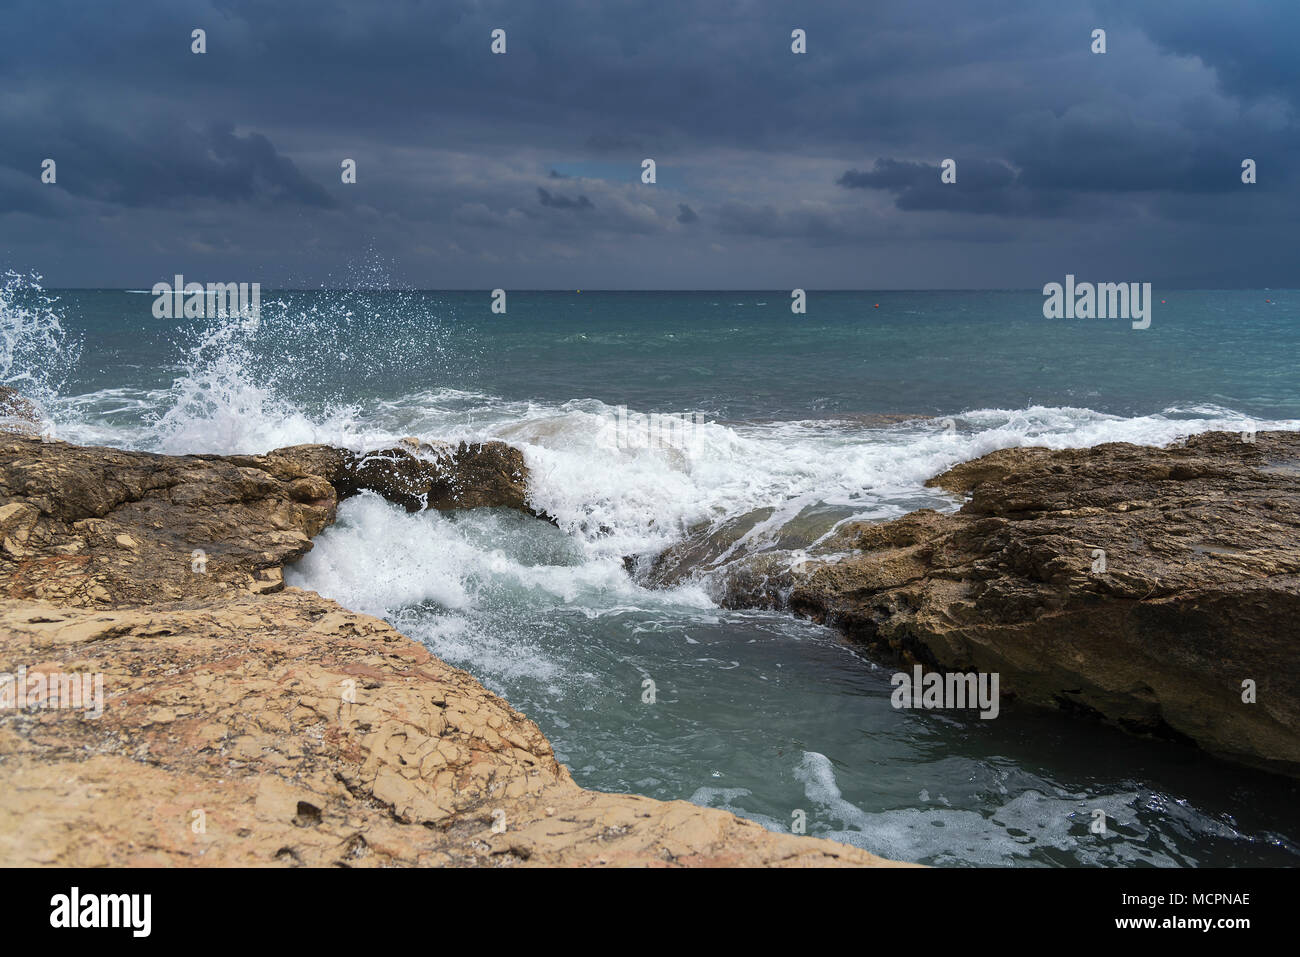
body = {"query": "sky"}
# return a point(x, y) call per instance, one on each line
point(774, 169)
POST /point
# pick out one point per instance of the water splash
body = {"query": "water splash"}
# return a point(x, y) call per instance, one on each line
point(223, 402)
point(299, 372)
point(36, 353)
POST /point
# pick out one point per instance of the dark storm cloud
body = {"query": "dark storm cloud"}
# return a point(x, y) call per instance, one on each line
point(163, 164)
point(248, 168)
point(987, 187)
point(902, 176)
point(793, 154)
point(558, 201)
point(1250, 44)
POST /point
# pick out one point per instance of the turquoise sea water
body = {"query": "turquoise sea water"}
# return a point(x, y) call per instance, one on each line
point(736, 355)
point(757, 712)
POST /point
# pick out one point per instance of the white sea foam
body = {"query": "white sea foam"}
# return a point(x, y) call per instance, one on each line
point(1030, 821)
point(431, 572)
point(378, 558)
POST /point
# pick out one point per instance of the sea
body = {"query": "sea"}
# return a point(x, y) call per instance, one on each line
point(795, 425)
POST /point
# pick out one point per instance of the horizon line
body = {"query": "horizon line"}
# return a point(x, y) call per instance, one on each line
point(576, 291)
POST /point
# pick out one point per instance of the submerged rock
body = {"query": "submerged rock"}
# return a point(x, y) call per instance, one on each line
point(244, 723)
point(1156, 589)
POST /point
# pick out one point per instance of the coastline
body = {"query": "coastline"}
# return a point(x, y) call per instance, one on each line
point(1156, 590)
point(246, 723)
point(305, 733)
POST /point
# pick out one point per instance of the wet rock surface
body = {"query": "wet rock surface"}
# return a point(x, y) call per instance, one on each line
point(1134, 585)
point(418, 476)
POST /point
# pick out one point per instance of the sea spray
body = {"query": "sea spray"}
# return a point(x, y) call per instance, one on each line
point(36, 352)
point(225, 401)
point(295, 372)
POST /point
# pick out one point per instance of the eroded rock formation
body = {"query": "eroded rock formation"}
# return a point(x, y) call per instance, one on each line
point(1139, 585)
point(284, 729)
point(414, 475)
point(106, 527)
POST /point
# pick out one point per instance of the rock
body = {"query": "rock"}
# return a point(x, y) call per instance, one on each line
point(110, 528)
point(696, 553)
point(18, 415)
point(763, 580)
point(418, 476)
point(286, 730)
point(204, 525)
point(720, 553)
point(245, 723)
point(1136, 585)
point(487, 474)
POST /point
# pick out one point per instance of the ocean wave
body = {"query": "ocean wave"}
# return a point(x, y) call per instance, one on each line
point(628, 498)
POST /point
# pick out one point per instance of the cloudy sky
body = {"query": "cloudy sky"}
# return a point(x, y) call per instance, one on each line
point(775, 170)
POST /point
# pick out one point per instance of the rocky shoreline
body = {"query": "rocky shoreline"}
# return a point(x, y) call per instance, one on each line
point(246, 723)
point(1155, 589)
